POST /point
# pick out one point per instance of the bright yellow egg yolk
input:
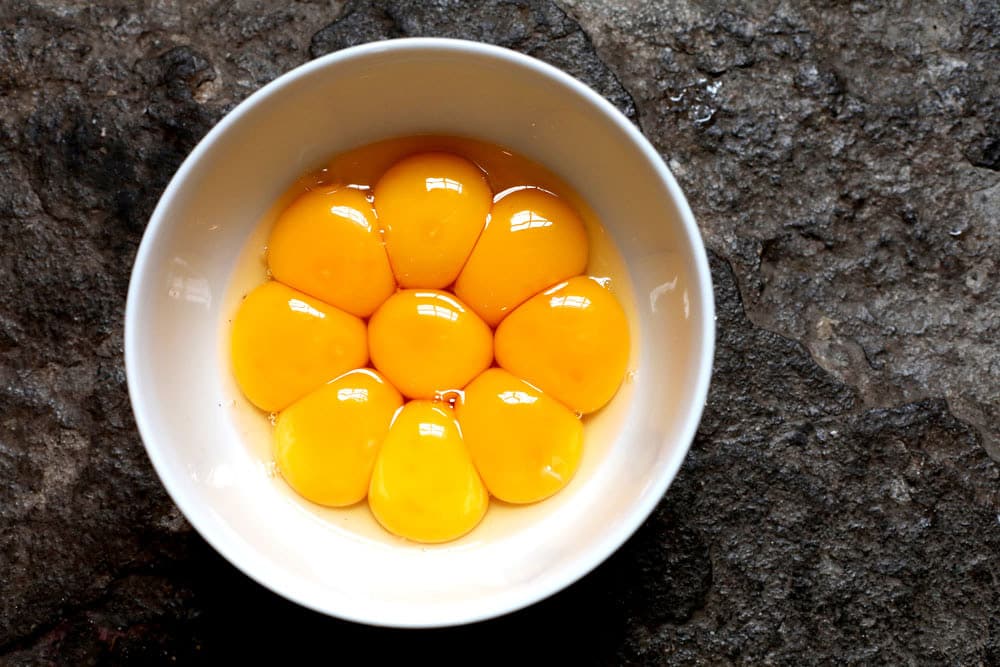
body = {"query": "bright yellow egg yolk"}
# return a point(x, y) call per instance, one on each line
point(285, 344)
point(327, 244)
point(533, 240)
point(525, 445)
point(432, 208)
point(426, 341)
point(326, 442)
point(424, 486)
point(425, 345)
point(571, 341)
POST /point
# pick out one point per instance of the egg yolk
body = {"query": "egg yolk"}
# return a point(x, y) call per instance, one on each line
point(326, 442)
point(532, 241)
point(426, 341)
point(327, 244)
point(424, 486)
point(526, 446)
point(285, 344)
point(425, 346)
point(571, 341)
point(432, 208)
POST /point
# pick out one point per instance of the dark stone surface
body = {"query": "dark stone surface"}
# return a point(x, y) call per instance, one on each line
point(843, 157)
point(838, 504)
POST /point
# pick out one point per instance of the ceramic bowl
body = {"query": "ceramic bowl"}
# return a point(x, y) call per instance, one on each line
point(210, 449)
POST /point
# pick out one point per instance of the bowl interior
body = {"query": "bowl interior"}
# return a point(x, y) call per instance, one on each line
point(180, 299)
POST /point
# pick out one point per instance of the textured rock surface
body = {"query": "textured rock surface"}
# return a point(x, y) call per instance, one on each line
point(838, 503)
point(844, 157)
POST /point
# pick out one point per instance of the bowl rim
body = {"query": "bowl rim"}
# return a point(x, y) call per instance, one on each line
point(597, 551)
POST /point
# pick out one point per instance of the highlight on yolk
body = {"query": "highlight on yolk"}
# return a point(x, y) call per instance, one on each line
point(532, 241)
point(285, 344)
point(427, 341)
point(325, 443)
point(525, 445)
point(572, 342)
point(327, 244)
point(432, 208)
point(424, 486)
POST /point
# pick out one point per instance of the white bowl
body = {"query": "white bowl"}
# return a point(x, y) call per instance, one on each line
point(179, 300)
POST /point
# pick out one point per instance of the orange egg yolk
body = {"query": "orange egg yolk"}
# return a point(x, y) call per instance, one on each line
point(327, 245)
point(285, 344)
point(427, 341)
point(525, 445)
point(571, 341)
point(425, 486)
point(432, 208)
point(326, 442)
point(512, 267)
point(533, 240)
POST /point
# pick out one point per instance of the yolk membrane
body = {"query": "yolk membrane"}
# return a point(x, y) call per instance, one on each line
point(432, 208)
point(532, 241)
point(427, 341)
point(327, 244)
point(285, 344)
point(571, 341)
point(424, 486)
point(526, 446)
point(326, 442)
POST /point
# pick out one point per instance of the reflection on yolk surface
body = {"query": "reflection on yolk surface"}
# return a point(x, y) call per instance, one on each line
point(432, 208)
point(525, 445)
point(424, 486)
point(572, 342)
point(285, 344)
point(325, 443)
point(327, 245)
point(426, 341)
point(533, 241)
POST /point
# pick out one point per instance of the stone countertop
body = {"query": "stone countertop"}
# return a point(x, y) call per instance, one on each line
point(839, 503)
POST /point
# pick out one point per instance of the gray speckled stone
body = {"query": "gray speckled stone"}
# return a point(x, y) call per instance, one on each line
point(842, 161)
point(844, 157)
point(540, 29)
